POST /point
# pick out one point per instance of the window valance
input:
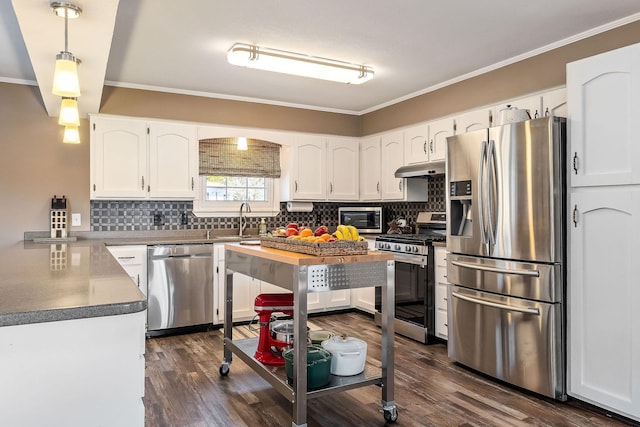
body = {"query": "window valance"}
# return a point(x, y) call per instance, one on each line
point(221, 157)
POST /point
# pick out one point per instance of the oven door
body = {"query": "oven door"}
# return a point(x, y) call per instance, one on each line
point(414, 296)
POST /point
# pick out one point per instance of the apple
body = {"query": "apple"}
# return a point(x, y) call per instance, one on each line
point(292, 231)
point(321, 230)
point(293, 225)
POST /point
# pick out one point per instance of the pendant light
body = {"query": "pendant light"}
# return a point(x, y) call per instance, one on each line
point(65, 77)
point(69, 115)
point(71, 135)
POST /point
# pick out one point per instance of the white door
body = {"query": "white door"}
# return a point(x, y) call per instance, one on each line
point(343, 171)
point(119, 158)
point(310, 169)
point(603, 94)
point(172, 161)
point(415, 145)
point(392, 159)
point(370, 168)
point(603, 299)
point(438, 133)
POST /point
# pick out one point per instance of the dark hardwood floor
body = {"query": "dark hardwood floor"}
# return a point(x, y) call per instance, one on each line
point(184, 388)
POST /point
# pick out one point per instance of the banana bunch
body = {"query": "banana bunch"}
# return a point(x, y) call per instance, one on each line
point(348, 232)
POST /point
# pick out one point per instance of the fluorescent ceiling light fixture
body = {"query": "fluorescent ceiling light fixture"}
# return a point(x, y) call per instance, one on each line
point(65, 76)
point(242, 143)
point(71, 135)
point(263, 58)
point(69, 115)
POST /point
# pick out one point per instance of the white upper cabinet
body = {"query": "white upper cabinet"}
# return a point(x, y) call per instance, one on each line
point(343, 172)
point(392, 159)
point(415, 144)
point(370, 168)
point(118, 158)
point(307, 163)
point(172, 160)
point(603, 93)
point(554, 103)
point(439, 130)
point(471, 120)
point(136, 159)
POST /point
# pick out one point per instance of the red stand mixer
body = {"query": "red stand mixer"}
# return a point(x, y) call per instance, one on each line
point(265, 305)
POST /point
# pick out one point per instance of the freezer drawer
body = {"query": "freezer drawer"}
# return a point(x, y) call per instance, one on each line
point(512, 339)
point(528, 280)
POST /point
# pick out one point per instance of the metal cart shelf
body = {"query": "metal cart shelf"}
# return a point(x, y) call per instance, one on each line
point(303, 274)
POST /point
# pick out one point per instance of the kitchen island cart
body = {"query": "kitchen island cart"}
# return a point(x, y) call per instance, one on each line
point(303, 274)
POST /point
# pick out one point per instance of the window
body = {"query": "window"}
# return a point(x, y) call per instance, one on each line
point(221, 196)
point(227, 188)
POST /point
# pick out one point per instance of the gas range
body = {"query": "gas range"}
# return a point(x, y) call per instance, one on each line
point(430, 227)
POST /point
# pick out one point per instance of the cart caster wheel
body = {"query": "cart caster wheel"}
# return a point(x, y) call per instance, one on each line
point(391, 416)
point(224, 369)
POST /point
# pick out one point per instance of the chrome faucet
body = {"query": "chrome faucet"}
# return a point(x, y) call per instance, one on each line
point(244, 207)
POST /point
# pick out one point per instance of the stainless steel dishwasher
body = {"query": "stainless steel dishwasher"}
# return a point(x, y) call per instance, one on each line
point(180, 286)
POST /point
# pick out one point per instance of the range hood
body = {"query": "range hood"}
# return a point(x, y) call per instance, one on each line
point(420, 170)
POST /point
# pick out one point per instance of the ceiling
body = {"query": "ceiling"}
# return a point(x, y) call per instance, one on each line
point(414, 46)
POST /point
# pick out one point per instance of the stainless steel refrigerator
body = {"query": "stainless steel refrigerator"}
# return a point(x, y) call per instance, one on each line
point(506, 236)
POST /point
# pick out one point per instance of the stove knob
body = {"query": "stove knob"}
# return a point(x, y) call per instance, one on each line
point(415, 249)
point(407, 248)
point(397, 247)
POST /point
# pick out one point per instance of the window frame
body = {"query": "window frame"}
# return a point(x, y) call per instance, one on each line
point(218, 208)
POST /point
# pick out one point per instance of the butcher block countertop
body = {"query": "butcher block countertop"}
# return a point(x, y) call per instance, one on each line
point(54, 282)
point(298, 259)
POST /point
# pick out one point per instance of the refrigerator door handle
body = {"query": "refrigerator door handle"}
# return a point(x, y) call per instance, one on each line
point(493, 186)
point(481, 195)
point(497, 305)
point(530, 273)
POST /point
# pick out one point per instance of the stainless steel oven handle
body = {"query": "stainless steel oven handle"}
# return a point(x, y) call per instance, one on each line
point(530, 273)
point(410, 259)
point(497, 305)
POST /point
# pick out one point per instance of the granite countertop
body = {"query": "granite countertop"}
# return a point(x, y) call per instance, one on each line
point(53, 282)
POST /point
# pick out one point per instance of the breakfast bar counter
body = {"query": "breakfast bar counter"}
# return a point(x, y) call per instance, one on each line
point(303, 274)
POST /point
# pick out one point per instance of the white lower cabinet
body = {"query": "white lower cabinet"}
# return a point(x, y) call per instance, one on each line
point(81, 372)
point(133, 258)
point(442, 323)
point(603, 299)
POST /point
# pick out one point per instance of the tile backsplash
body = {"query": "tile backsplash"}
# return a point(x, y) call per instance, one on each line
point(143, 215)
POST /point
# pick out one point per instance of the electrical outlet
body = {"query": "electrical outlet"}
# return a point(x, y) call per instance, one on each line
point(76, 220)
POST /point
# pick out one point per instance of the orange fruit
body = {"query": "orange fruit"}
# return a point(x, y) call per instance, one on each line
point(306, 232)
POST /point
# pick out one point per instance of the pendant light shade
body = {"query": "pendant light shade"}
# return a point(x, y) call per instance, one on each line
point(65, 76)
point(71, 135)
point(69, 115)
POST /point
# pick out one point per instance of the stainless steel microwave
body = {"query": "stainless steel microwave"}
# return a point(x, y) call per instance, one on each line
point(366, 219)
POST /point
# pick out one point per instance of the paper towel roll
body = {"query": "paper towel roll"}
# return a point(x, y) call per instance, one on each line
point(299, 206)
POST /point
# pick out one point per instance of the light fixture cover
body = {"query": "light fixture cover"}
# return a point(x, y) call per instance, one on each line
point(65, 76)
point(60, 8)
point(71, 135)
point(242, 143)
point(69, 115)
point(251, 56)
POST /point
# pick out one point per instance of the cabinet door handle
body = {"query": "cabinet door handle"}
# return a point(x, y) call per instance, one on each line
point(138, 279)
point(424, 147)
point(546, 112)
point(575, 162)
point(295, 186)
point(400, 185)
point(575, 216)
point(142, 183)
point(94, 187)
point(377, 187)
point(431, 146)
point(331, 188)
point(193, 184)
point(148, 189)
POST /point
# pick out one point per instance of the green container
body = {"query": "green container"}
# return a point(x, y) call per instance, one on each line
point(318, 366)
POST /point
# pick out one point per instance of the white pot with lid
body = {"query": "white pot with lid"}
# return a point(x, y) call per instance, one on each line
point(348, 355)
point(512, 115)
